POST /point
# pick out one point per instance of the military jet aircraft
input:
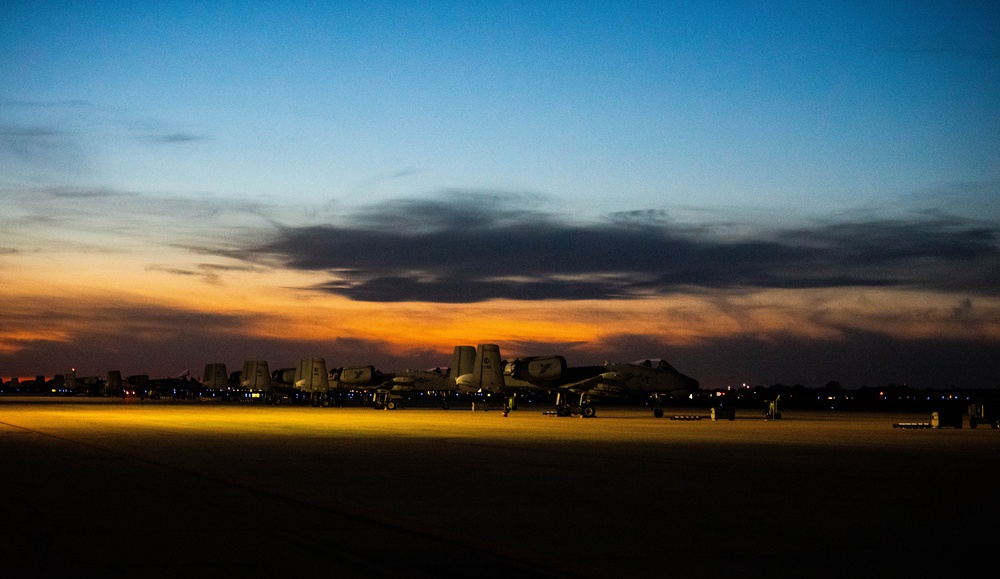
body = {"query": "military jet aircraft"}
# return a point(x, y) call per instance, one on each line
point(654, 378)
point(399, 385)
point(179, 387)
point(309, 381)
point(215, 382)
point(390, 388)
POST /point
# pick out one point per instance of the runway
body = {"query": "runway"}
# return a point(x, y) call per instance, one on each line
point(158, 489)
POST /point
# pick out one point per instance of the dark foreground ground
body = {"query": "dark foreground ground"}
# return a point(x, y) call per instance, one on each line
point(158, 489)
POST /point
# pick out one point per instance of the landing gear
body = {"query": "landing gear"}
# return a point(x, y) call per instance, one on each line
point(384, 400)
point(510, 404)
point(657, 411)
point(317, 399)
point(585, 408)
point(562, 407)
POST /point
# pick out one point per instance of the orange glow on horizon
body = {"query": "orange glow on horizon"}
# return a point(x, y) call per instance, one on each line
point(60, 297)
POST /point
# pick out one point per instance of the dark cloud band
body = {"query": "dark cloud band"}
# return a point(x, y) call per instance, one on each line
point(473, 248)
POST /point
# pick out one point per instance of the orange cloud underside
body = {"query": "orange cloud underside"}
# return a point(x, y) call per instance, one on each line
point(60, 296)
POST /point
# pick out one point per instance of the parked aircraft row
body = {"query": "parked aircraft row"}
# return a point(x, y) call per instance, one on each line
point(473, 370)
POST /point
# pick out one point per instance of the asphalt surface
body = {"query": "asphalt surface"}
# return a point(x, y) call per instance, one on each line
point(159, 489)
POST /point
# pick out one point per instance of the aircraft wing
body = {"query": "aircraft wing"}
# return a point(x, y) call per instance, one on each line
point(597, 382)
point(421, 380)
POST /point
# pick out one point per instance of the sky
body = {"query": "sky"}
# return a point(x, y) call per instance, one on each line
point(765, 193)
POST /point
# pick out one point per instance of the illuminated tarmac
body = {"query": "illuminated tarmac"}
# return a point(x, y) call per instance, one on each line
point(158, 489)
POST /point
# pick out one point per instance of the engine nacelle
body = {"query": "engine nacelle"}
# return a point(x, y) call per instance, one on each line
point(283, 376)
point(357, 375)
point(536, 369)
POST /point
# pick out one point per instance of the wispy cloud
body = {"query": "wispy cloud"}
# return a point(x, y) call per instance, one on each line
point(210, 273)
point(172, 138)
point(39, 146)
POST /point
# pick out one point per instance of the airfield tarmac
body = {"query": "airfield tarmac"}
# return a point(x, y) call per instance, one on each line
point(96, 487)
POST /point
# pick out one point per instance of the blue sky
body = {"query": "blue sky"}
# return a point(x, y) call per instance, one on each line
point(702, 104)
point(245, 135)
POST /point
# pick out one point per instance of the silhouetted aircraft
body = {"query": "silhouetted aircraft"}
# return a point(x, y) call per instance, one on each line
point(87, 385)
point(255, 379)
point(309, 382)
point(390, 388)
point(653, 378)
point(403, 384)
point(215, 382)
point(361, 379)
point(180, 387)
point(114, 386)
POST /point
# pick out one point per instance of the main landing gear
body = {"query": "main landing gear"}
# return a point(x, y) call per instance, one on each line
point(657, 410)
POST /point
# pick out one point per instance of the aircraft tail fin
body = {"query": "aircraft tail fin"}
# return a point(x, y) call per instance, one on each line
point(256, 375)
point(463, 361)
point(312, 376)
point(488, 370)
point(114, 381)
point(215, 377)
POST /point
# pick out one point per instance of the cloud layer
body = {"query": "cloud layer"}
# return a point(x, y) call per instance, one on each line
point(465, 248)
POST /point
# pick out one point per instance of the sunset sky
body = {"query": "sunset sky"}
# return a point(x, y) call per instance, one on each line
point(769, 193)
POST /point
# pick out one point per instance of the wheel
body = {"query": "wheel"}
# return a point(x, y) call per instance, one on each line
point(390, 405)
point(588, 411)
point(658, 412)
